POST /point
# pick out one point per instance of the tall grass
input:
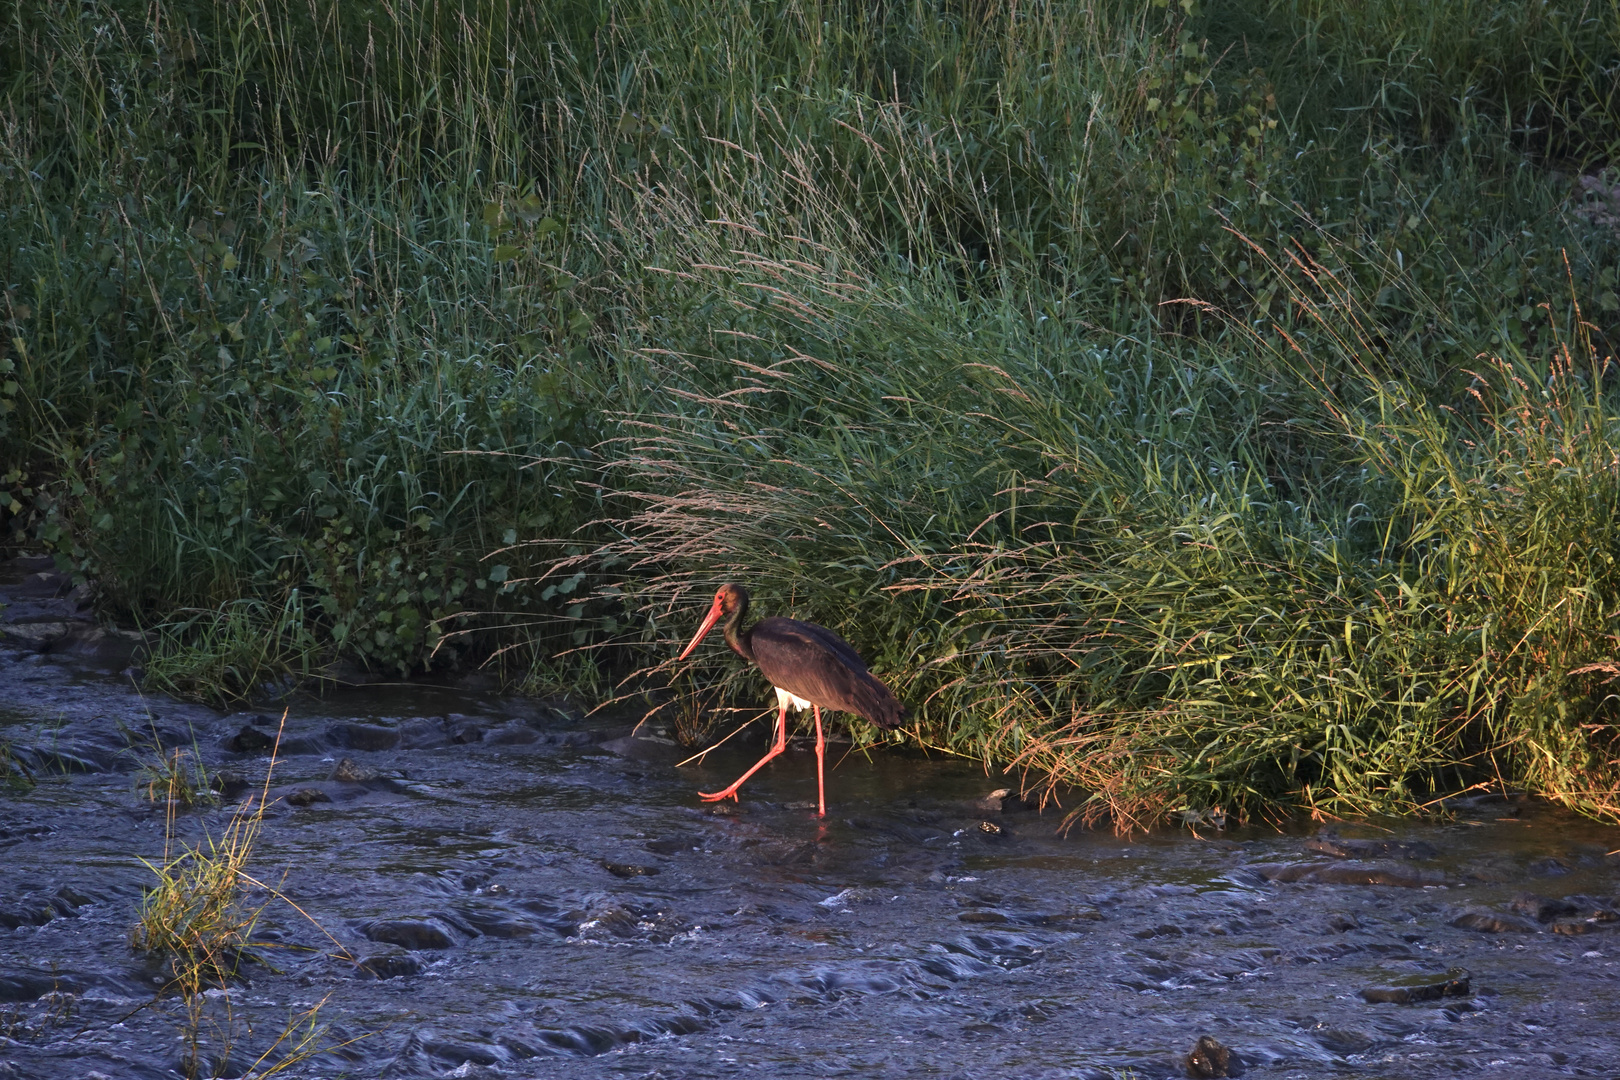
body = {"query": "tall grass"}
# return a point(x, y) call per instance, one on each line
point(1140, 385)
point(1174, 593)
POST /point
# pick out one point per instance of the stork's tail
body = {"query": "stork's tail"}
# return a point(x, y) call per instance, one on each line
point(884, 709)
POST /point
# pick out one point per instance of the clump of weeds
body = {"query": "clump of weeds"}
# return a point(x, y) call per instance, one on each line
point(197, 923)
point(177, 778)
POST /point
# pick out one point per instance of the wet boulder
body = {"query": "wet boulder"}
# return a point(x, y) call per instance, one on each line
point(388, 966)
point(1492, 922)
point(36, 913)
point(629, 869)
point(1339, 847)
point(1583, 915)
point(348, 771)
point(1342, 1040)
point(1540, 908)
point(360, 736)
point(1453, 984)
point(19, 986)
point(412, 934)
point(1585, 907)
point(465, 729)
point(671, 845)
point(422, 733)
point(498, 921)
point(228, 783)
point(1072, 917)
point(250, 740)
point(1493, 870)
point(515, 733)
point(1398, 875)
point(62, 758)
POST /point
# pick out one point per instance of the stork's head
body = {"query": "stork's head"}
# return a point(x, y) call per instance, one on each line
point(730, 602)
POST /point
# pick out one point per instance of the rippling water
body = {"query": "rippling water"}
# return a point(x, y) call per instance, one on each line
point(523, 892)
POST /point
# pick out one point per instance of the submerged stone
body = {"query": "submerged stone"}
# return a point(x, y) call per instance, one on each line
point(1453, 984)
point(1371, 849)
point(1349, 873)
point(413, 934)
point(515, 733)
point(1540, 908)
point(357, 736)
point(389, 966)
point(1491, 922)
point(348, 771)
point(250, 740)
point(629, 870)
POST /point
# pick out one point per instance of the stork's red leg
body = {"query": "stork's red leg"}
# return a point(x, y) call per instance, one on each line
point(821, 755)
point(777, 748)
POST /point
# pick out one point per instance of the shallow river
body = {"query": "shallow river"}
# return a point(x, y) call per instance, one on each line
point(518, 891)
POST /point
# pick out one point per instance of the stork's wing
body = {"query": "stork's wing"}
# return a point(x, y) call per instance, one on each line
point(813, 663)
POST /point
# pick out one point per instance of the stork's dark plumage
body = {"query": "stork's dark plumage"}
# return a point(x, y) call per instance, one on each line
point(811, 668)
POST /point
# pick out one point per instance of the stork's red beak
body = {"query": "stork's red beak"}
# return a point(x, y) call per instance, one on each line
point(708, 624)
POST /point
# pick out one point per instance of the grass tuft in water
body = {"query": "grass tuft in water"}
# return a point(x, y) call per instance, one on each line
point(177, 778)
point(198, 922)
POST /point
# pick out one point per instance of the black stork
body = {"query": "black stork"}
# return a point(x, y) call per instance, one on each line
point(811, 668)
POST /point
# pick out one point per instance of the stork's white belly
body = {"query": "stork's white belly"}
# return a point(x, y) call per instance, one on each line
point(786, 700)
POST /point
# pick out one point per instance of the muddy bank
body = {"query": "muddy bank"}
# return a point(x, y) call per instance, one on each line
point(512, 889)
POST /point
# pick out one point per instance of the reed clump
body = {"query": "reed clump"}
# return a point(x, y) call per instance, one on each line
point(176, 777)
point(1164, 396)
point(197, 921)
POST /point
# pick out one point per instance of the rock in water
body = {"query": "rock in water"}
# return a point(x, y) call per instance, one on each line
point(250, 740)
point(1453, 983)
point(1491, 922)
point(1540, 908)
point(412, 934)
point(1208, 1058)
point(1004, 801)
point(349, 771)
point(1370, 849)
point(362, 736)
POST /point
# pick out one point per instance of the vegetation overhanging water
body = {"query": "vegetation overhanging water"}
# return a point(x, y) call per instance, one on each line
point(1205, 407)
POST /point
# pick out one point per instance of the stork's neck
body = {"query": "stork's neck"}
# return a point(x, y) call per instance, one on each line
point(734, 633)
